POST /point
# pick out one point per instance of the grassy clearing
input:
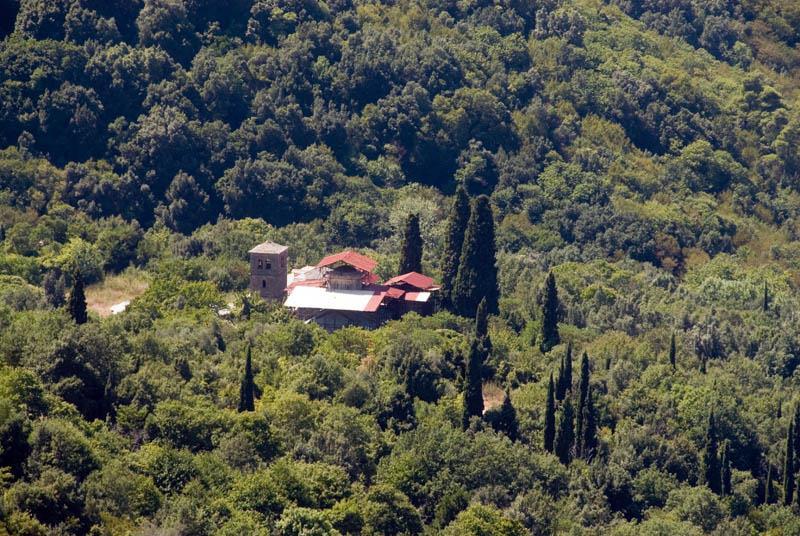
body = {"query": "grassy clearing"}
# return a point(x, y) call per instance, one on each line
point(114, 289)
point(493, 395)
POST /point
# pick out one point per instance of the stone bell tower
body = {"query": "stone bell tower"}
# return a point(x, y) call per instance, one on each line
point(268, 269)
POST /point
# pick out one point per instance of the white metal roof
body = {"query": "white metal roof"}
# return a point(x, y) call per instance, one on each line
point(305, 273)
point(304, 297)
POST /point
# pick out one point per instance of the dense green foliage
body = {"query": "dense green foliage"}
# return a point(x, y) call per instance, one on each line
point(645, 154)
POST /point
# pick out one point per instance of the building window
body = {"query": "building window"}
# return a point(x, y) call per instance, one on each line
point(260, 264)
point(263, 283)
point(269, 265)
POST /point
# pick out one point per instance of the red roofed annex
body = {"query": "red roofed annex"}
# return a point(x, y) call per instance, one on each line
point(341, 290)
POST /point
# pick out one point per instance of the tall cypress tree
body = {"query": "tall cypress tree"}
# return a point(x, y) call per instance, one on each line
point(550, 417)
point(796, 428)
point(411, 252)
point(796, 448)
point(507, 420)
point(788, 467)
point(725, 464)
point(583, 393)
point(247, 387)
point(77, 300)
point(473, 388)
point(549, 336)
point(672, 351)
point(769, 491)
point(589, 436)
point(564, 382)
point(711, 466)
point(765, 300)
point(454, 242)
point(565, 434)
point(477, 270)
point(482, 331)
point(568, 370)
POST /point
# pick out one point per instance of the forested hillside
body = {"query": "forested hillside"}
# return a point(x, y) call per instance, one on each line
point(642, 167)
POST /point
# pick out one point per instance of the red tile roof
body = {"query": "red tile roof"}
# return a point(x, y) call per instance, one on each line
point(374, 302)
point(395, 293)
point(415, 279)
point(356, 260)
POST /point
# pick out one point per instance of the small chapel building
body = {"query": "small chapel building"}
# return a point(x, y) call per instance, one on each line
point(340, 290)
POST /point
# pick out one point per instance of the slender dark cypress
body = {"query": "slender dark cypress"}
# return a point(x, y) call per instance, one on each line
point(583, 393)
point(564, 382)
point(482, 331)
point(769, 491)
point(796, 439)
point(711, 466)
point(725, 463)
point(456, 227)
point(477, 269)
point(549, 335)
point(77, 300)
point(560, 379)
point(765, 302)
point(247, 388)
point(507, 421)
point(568, 370)
point(788, 467)
point(589, 438)
point(473, 391)
point(672, 352)
point(411, 252)
point(565, 435)
point(550, 417)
